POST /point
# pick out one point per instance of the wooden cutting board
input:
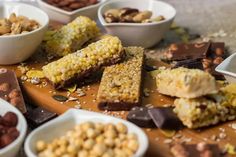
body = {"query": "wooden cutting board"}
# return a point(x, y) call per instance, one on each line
point(158, 142)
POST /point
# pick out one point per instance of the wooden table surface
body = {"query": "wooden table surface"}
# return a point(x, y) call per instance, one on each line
point(206, 17)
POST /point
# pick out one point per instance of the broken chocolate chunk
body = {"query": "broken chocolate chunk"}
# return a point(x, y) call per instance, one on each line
point(140, 117)
point(165, 118)
point(39, 116)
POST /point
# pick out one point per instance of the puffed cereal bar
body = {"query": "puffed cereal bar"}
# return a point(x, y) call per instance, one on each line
point(75, 66)
point(206, 111)
point(70, 37)
point(121, 83)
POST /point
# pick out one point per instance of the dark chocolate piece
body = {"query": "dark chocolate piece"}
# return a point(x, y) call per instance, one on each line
point(60, 98)
point(196, 150)
point(39, 116)
point(182, 51)
point(10, 89)
point(165, 118)
point(149, 68)
point(189, 63)
point(140, 117)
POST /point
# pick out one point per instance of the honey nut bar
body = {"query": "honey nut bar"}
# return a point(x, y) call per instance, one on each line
point(185, 83)
point(70, 37)
point(120, 86)
point(205, 111)
point(72, 68)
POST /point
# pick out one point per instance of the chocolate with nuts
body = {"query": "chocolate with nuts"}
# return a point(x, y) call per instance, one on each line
point(120, 86)
point(201, 149)
point(10, 89)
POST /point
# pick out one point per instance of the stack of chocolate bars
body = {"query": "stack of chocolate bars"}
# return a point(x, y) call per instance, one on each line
point(205, 56)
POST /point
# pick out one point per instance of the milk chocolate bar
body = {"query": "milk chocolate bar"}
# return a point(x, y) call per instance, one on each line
point(10, 89)
point(39, 116)
point(165, 118)
point(140, 117)
point(120, 86)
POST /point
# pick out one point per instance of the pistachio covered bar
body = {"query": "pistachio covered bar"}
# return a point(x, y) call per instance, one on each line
point(121, 83)
point(70, 37)
point(185, 83)
point(75, 66)
point(205, 111)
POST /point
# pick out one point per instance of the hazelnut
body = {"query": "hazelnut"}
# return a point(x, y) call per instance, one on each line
point(218, 60)
point(178, 150)
point(173, 47)
point(206, 153)
point(10, 119)
point(3, 130)
point(206, 63)
point(202, 146)
point(4, 87)
point(219, 52)
point(77, 5)
point(63, 3)
point(15, 101)
point(14, 93)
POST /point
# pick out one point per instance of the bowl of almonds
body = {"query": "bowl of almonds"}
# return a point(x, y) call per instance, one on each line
point(142, 23)
point(67, 10)
point(22, 28)
point(84, 133)
point(13, 129)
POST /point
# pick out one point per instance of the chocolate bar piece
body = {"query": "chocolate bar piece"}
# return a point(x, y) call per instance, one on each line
point(39, 116)
point(120, 86)
point(10, 89)
point(182, 51)
point(140, 117)
point(189, 63)
point(195, 150)
point(165, 118)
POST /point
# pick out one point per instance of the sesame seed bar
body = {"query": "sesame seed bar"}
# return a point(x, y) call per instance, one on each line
point(74, 67)
point(70, 37)
point(185, 83)
point(121, 83)
point(206, 111)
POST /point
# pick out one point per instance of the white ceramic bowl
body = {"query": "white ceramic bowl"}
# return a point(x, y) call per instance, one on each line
point(63, 16)
point(17, 48)
point(228, 68)
point(136, 34)
point(12, 149)
point(67, 121)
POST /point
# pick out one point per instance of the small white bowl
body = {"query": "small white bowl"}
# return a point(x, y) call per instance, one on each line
point(63, 16)
point(69, 119)
point(139, 34)
point(13, 149)
point(228, 68)
point(17, 48)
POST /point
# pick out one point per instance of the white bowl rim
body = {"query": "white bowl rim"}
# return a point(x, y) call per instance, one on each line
point(70, 12)
point(24, 127)
point(104, 23)
point(221, 67)
point(70, 113)
point(31, 32)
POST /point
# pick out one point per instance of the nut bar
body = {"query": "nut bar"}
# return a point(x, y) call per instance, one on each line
point(185, 83)
point(120, 86)
point(205, 111)
point(177, 52)
point(74, 67)
point(10, 89)
point(70, 37)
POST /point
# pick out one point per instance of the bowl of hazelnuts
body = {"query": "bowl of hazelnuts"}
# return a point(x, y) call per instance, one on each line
point(13, 129)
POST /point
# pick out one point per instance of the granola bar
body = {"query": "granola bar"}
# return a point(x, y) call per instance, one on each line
point(121, 83)
point(74, 67)
point(205, 111)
